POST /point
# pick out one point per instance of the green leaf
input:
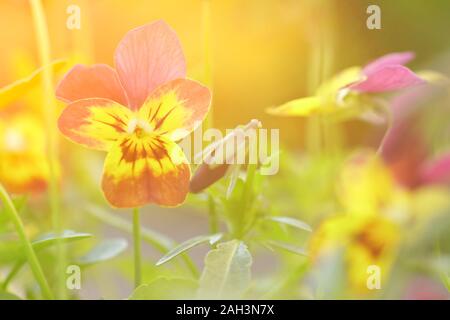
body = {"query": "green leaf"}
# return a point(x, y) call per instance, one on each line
point(227, 271)
point(8, 296)
point(104, 251)
point(291, 222)
point(286, 246)
point(12, 250)
point(232, 203)
point(18, 88)
point(189, 244)
point(446, 281)
point(166, 289)
point(51, 238)
point(239, 206)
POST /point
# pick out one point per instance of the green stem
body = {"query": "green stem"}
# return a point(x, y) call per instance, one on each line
point(29, 251)
point(12, 273)
point(159, 241)
point(43, 45)
point(443, 275)
point(291, 278)
point(389, 124)
point(137, 248)
point(247, 203)
point(322, 53)
point(213, 222)
point(207, 55)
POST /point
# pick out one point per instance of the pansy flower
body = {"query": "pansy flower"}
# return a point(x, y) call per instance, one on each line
point(23, 162)
point(136, 113)
point(348, 94)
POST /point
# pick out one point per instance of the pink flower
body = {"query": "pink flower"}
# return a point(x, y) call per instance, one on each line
point(405, 149)
point(387, 73)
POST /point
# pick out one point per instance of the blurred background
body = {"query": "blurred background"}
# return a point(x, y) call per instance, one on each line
point(260, 54)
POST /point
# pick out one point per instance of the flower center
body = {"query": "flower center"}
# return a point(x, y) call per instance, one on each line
point(139, 127)
point(14, 141)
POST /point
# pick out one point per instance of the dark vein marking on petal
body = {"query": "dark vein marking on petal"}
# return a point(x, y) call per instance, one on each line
point(161, 120)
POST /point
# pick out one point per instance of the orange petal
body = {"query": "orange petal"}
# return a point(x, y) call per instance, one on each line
point(148, 57)
point(97, 81)
point(94, 123)
point(176, 108)
point(142, 170)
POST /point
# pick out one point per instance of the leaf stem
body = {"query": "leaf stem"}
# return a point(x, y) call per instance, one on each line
point(389, 125)
point(207, 54)
point(12, 273)
point(29, 251)
point(43, 44)
point(247, 198)
point(137, 248)
point(289, 279)
point(213, 222)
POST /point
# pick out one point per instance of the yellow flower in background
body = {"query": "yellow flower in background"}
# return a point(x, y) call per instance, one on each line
point(376, 213)
point(366, 187)
point(365, 241)
point(23, 163)
point(371, 227)
point(26, 89)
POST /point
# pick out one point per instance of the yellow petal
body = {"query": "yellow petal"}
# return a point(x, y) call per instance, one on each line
point(20, 87)
point(366, 186)
point(176, 108)
point(339, 81)
point(301, 107)
point(95, 123)
point(145, 169)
